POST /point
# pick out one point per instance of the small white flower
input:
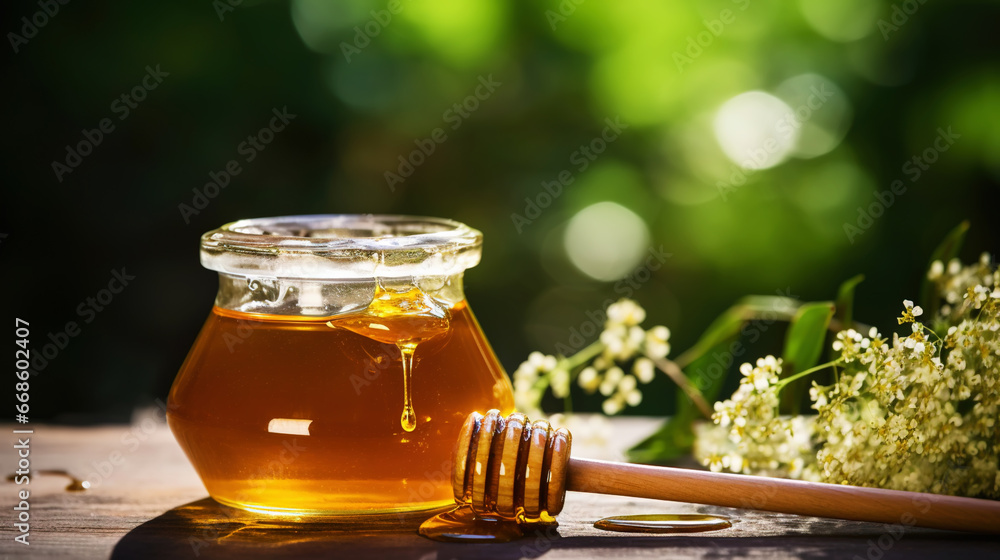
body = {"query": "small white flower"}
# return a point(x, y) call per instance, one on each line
point(611, 407)
point(636, 336)
point(602, 363)
point(525, 371)
point(760, 382)
point(644, 370)
point(536, 359)
point(606, 389)
point(611, 379)
point(818, 395)
point(660, 333)
point(588, 379)
point(937, 269)
point(523, 385)
point(734, 462)
point(612, 340)
point(627, 384)
point(626, 312)
point(656, 348)
point(560, 383)
point(549, 363)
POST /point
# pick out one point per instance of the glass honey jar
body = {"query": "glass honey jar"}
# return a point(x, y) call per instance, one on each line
point(337, 366)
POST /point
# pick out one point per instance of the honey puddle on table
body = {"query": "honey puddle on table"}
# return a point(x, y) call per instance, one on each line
point(663, 523)
point(463, 525)
point(75, 484)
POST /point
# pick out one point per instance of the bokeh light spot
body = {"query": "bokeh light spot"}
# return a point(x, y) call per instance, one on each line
point(323, 25)
point(821, 112)
point(756, 130)
point(463, 32)
point(606, 240)
point(842, 21)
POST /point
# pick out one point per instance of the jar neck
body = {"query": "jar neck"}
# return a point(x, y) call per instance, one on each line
point(323, 298)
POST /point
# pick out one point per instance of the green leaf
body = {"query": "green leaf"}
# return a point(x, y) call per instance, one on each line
point(845, 300)
point(728, 325)
point(783, 307)
point(845, 306)
point(724, 327)
point(947, 250)
point(675, 437)
point(664, 445)
point(803, 347)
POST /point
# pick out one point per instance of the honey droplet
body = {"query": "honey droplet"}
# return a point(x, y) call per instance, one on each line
point(409, 418)
point(404, 319)
point(663, 523)
point(463, 525)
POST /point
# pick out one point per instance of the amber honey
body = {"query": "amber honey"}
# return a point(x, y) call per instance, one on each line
point(351, 414)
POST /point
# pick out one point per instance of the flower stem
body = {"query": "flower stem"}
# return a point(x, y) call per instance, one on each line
point(568, 399)
point(569, 363)
point(802, 374)
point(675, 374)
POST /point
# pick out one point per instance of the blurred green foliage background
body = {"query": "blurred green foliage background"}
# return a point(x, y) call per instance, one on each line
point(749, 133)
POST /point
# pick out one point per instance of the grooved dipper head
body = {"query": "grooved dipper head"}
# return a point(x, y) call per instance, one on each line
point(511, 466)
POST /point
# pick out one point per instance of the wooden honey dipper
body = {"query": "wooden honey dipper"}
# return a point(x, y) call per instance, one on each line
point(511, 467)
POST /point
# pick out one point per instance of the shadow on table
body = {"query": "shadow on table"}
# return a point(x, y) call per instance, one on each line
point(205, 529)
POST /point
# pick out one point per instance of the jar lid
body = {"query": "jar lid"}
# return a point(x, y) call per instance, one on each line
point(342, 246)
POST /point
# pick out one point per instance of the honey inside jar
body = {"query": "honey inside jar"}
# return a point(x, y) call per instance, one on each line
point(306, 412)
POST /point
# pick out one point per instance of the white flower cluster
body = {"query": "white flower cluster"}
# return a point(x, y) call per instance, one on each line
point(530, 380)
point(957, 285)
point(912, 413)
point(752, 438)
point(622, 341)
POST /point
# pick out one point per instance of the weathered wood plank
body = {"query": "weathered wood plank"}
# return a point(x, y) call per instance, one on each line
point(148, 503)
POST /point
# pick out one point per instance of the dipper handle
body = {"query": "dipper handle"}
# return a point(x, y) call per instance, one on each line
point(511, 466)
point(785, 496)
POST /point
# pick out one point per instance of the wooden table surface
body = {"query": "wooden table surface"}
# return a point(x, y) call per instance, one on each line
point(147, 502)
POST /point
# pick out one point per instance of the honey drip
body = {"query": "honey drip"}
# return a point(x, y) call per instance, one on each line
point(463, 525)
point(405, 319)
point(409, 418)
point(663, 523)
